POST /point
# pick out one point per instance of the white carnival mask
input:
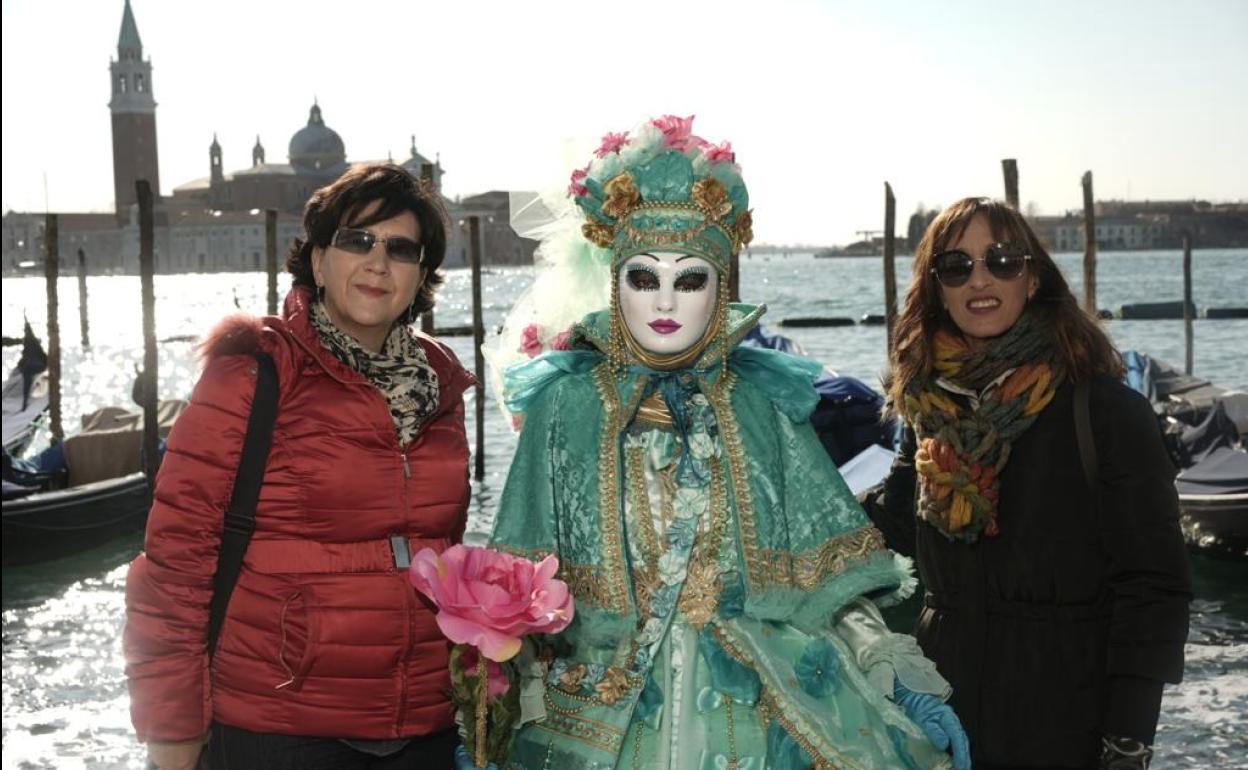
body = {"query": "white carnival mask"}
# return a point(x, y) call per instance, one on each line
point(667, 299)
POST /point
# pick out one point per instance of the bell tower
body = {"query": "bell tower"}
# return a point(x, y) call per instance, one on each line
point(133, 111)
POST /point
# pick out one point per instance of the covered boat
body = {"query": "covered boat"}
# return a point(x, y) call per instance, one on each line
point(1203, 425)
point(106, 495)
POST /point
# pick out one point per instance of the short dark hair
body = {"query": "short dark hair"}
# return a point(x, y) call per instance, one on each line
point(340, 203)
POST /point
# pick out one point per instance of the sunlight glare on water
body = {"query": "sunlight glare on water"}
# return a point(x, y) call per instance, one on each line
point(64, 693)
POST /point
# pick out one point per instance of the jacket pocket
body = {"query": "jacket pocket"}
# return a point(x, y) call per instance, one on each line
point(297, 632)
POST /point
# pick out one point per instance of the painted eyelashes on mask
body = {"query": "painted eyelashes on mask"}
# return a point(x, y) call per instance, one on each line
point(692, 279)
point(645, 278)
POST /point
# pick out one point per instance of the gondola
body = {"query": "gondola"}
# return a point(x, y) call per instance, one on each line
point(25, 395)
point(107, 496)
point(57, 523)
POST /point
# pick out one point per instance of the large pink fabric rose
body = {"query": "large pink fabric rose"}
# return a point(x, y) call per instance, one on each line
point(490, 599)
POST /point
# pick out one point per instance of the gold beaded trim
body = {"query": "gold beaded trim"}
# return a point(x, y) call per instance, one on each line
point(610, 514)
point(699, 597)
point(809, 569)
point(567, 723)
point(720, 398)
point(585, 581)
point(635, 470)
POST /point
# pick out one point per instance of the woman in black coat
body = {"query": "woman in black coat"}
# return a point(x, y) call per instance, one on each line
point(1057, 580)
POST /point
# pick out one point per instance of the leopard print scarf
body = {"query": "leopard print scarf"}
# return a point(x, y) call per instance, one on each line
point(401, 371)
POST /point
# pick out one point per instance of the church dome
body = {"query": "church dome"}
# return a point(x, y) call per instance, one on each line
point(316, 145)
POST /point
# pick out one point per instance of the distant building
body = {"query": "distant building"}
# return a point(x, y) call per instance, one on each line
point(1140, 225)
point(919, 222)
point(216, 223)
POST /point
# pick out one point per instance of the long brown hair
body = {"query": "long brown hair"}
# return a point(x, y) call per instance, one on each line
point(1083, 349)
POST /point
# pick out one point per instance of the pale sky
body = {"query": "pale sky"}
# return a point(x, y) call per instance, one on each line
point(823, 101)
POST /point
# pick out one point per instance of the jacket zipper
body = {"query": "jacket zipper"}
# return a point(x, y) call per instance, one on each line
point(409, 593)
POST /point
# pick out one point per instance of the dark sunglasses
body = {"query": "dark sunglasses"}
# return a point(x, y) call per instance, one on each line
point(1004, 260)
point(398, 247)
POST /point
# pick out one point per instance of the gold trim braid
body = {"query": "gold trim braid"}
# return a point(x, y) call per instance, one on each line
point(611, 516)
point(808, 569)
point(720, 397)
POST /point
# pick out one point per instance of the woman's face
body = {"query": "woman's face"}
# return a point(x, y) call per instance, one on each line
point(985, 306)
point(366, 293)
point(666, 299)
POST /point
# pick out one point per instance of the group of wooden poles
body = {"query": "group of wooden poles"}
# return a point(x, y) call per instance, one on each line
point(147, 390)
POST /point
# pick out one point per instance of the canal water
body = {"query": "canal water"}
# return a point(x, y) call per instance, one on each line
point(65, 703)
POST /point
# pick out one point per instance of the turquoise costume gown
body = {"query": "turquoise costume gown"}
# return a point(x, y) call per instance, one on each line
point(723, 574)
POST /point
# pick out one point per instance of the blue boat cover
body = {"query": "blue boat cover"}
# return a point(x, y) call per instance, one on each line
point(1224, 471)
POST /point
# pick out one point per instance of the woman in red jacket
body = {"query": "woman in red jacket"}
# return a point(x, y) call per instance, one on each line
point(327, 657)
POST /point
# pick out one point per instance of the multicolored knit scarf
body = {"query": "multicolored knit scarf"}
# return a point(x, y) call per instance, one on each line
point(963, 448)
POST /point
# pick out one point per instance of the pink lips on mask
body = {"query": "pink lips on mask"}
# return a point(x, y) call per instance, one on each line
point(665, 326)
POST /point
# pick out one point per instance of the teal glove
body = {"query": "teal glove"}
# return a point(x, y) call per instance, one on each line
point(938, 722)
point(464, 762)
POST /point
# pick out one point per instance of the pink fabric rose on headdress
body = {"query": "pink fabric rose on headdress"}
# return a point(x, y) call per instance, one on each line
point(576, 186)
point(612, 142)
point(531, 340)
point(719, 153)
point(490, 599)
point(677, 131)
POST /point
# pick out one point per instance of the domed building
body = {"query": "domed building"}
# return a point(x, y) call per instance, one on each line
point(217, 222)
point(316, 155)
point(316, 145)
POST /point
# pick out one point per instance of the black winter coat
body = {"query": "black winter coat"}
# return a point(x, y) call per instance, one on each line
point(1064, 626)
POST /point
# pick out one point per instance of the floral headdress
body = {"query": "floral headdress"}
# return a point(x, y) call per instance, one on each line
point(664, 188)
point(658, 187)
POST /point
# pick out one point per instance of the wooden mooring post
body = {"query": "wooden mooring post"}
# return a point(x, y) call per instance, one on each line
point(270, 257)
point(1188, 308)
point(478, 337)
point(890, 273)
point(1009, 168)
point(1089, 246)
point(429, 185)
point(84, 328)
point(52, 271)
point(148, 390)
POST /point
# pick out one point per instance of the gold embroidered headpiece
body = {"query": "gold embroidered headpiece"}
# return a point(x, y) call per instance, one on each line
point(664, 189)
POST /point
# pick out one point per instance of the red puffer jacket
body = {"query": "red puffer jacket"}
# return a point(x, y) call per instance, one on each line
point(324, 635)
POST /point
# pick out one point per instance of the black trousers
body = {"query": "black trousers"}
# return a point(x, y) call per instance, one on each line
point(232, 748)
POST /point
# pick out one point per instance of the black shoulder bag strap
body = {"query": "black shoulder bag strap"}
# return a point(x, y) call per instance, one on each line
point(240, 516)
point(1083, 433)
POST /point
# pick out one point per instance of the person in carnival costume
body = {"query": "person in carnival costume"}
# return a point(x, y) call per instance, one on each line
point(725, 579)
point(1056, 576)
